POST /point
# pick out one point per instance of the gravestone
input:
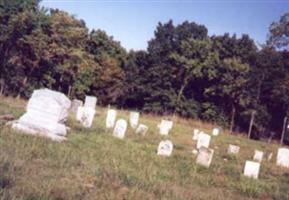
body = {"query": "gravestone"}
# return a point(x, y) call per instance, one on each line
point(120, 128)
point(90, 101)
point(252, 169)
point(215, 132)
point(203, 140)
point(165, 126)
point(283, 157)
point(75, 104)
point(233, 149)
point(205, 156)
point(258, 155)
point(45, 115)
point(110, 118)
point(141, 129)
point(196, 133)
point(133, 119)
point(85, 116)
point(165, 148)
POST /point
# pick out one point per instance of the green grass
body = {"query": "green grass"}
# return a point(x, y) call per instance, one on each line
point(92, 164)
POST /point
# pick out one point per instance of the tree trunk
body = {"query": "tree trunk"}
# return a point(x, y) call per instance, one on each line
point(179, 98)
point(284, 130)
point(251, 123)
point(232, 119)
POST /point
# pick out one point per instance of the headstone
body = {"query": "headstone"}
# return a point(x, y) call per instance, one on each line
point(215, 132)
point(165, 127)
point(195, 151)
point(233, 149)
point(45, 115)
point(258, 155)
point(283, 157)
point(75, 104)
point(141, 129)
point(85, 116)
point(120, 128)
point(196, 133)
point(165, 148)
point(203, 140)
point(110, 118)
point(90, 101)
point(252, 169)
point(133, 119)
point(205, 156)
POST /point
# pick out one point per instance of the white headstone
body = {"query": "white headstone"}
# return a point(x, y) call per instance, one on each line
point(258, 155)
point(90, 101)
point(141, 129)
point(205, 156)
point(110, 118)
point(75, 104)
point(195, 134)
point(283, 157)
point(203, 140)
point(165, 127)
point(120, 128)
point(133, 119)
point(252, 169)
point(165, 148)
point(85, 116)
point(233, 149)
point(215, 132)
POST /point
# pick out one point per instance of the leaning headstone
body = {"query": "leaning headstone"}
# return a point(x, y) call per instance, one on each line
point(252, 169)
point(205, 156)
point(283, 157)
point(165, 148)
point(90, 101)
point(196, 133)
point(120, 128)
point(203, 140)
point(258, 155)
point(45, 115)
point(141, 129)
point(110, 118)
point(75, 104)
point(215, 132)
point(233, 149)
point(165, 126)
point(85, 116)
point(133, 119)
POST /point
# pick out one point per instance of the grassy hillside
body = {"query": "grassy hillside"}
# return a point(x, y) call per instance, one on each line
point(92, 164)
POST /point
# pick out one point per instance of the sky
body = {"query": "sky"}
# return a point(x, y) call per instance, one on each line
point(133, 22)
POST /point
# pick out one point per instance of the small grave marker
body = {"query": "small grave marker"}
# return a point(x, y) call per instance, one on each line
point(258, 155)
point(133, 119)
point(283, 157)
point(252, 169)
point(233, 149)
point(165, 148)
point(205, 156)
point(215, 132)
point(203, 140)
point(120, 128)
point(141, 129)
point(110, 118)
point(165, 127)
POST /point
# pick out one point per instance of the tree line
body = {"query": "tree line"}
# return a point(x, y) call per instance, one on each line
point(223, 79)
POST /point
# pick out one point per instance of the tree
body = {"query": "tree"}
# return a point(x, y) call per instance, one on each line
point(279, 33)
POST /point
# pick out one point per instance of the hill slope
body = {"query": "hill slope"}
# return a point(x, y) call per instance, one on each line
point(92, 164)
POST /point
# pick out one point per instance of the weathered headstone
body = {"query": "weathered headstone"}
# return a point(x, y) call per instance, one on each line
point(133, 119)
point(165, 148)
point(120, 128)
point(85, 116)
point(141, 129)
point(46, 112)
point(215, 132)
point(205, 156)
point(258, 155)
point(165, 127)
point(196, 133)
point(233, 149)
point(283, 157)
point(203, 140)
point(75, 104)
point(90, 101)
point(252, 169)
point(110, 118)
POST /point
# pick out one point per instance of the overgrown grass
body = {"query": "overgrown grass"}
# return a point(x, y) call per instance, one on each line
point(92, 164)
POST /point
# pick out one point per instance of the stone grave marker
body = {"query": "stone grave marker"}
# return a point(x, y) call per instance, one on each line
point(165, 148)
point(205, 156)
point(75, 104)
point(90, 101)
point(120, 128)
point(283, 157)
point(165, 126)
point(141, 129)
point(215, 132)
point(85, 116)
point(110, 118)
point(133, 119)
point(233, 149)
point(196, 133)
point(252, 169)
point(258, 155)
point(203, 140)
